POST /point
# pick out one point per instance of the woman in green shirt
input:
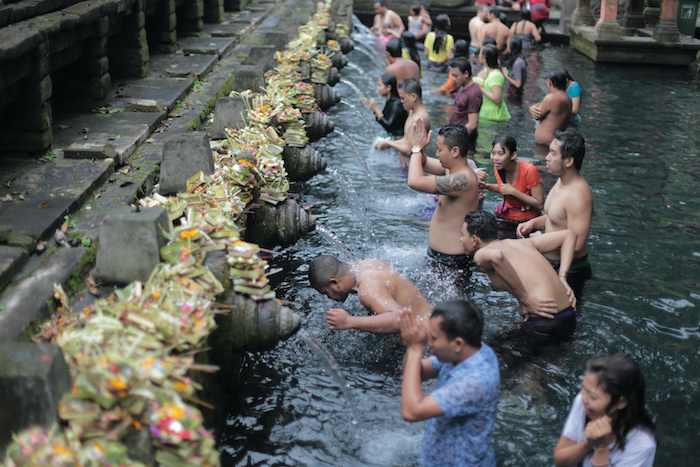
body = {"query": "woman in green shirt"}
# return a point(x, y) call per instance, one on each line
point(492, 86)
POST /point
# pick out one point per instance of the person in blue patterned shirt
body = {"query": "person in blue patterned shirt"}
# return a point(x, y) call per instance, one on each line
point(461, 411)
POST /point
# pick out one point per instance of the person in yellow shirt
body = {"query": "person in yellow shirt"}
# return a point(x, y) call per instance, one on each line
point(439, 45)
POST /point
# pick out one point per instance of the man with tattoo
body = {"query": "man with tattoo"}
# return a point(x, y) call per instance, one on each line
point(452, 179)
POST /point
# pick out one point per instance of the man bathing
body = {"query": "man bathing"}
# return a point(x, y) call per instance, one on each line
point(554, 112)
point(380, 288)
point(569, 204)
point(518, 266)
point(452, 179)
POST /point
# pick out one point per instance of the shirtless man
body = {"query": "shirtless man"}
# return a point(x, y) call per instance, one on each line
point(386, 18)
point(410, 94)
point(476, 24)
point(554, 112)
point(381, 289)
point(546, 302)
point(569, 204)
point(397, 65)
point(452, 179)
point(495, 28)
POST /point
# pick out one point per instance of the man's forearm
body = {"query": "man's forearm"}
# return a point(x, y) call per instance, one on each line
point(411, 391)
point(384, 323)
point(401, 145)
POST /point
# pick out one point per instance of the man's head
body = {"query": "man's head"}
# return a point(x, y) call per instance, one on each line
point(479, 227)
point(453, 141)
point(380, 7)
point(461, 70)
point(461, 48)
point(331, 277)
point(494, 13)
point(410, 93)
point(482, 11)
point(567, 150)
point(558, 78)
point(454, 325)
point(425, 8)
point(415, 9)
point(393, 50)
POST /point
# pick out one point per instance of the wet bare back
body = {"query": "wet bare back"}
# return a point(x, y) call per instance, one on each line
point(555, 114)
point(374, 274)
point(536, 274)
point(403, 68)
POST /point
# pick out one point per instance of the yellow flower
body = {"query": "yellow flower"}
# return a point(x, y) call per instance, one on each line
point(61, 451)
point(185, 234)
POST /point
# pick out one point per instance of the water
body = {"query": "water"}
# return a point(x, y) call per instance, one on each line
point(332, 238)
point(361, 115)
point(358, 155)
point(353, 200)
point(354, 87)
point(641, 127)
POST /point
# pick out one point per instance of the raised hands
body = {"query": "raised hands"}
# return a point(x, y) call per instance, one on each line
point(413, 331)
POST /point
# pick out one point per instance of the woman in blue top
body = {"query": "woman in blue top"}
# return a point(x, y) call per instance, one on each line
point(574, 90)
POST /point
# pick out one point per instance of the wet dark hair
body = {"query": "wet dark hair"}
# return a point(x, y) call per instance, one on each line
point(411, 86)
point(442, 24)
point(456, 134)
point(572, 145)
point(390, 80)
point(461, 48)
point(490, 53)
point(482, 224)
point(493, 9)
point(381, 2)
point(460, 318)
point(558, 78)
point(426, 5)
point(488, 40)
point(325, 267)
point(620, 377)
point(393, 48)
point(568, 75)
point(462, 63)
point(415, 9)
point(408, 40)
point(525, 15)
point(516, 47)
point(507, 142)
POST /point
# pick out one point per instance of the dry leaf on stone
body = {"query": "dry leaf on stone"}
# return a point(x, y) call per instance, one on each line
point(7, 183)
point(96, 195)
point(63, 127)
point(64, 227)
point(90, 281)
point(60, 295)
point(21, 197)
point(40, 246)
point(150, 140)
point(44, 205)
point(7, 199)
point(174, 66)
point(110, 138)
point(124, 170)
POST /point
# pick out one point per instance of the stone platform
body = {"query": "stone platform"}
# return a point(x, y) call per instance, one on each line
point(640, 48)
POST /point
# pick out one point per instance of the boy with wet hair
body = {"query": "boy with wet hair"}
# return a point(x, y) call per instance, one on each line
point(381, 289)
point(410, 93)
point(461, 411)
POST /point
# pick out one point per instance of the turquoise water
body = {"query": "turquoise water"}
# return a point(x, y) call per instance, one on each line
point(641, 127)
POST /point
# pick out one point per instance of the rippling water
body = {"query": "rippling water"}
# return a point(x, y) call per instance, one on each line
point(641, 127)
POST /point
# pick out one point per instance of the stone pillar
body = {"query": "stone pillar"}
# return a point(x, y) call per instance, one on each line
point(214, 11)
point(128, 50)
point(161, 28)
point(582, 15)
point(567, 9)
point(666, 29)
point(634, 16)
point(190, 16)
point(607, 27)
point(26, 125)
point(652, 11)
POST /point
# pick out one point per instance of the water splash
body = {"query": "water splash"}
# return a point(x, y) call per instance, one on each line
point(353, 199)
point(360, 159)
point(353, 87)
point(362, 116)
point(326, 359)
point(364, 74)
point(337, 242)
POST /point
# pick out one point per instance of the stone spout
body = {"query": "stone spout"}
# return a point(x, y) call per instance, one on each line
point(326, 96)
point(256, 325)
point(282, 224)
point(339, 60)
point(303, 163)
point(318, 125)
point(333, 76)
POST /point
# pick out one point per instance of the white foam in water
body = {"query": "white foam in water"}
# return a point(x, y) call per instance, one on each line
point(389, 447)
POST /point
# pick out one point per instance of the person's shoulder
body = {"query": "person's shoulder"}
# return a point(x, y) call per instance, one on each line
point(643, 438)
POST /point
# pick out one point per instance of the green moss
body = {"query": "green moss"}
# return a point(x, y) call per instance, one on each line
point(32, 329)
point(75, 282)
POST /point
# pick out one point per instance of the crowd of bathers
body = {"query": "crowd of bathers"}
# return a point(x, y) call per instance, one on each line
point(532, 246)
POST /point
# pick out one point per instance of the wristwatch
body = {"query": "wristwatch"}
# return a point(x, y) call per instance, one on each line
point(416, 149)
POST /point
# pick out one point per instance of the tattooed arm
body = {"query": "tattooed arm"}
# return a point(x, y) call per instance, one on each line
point(441, 185)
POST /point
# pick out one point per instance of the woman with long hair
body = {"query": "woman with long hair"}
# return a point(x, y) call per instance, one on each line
point(409, 50)
point(573, 89)
point(525, 29)
point(492, 85)
point(517, 77)
point(608, 424)
point(394, 116)
point(439, 45)
point(519, 183)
